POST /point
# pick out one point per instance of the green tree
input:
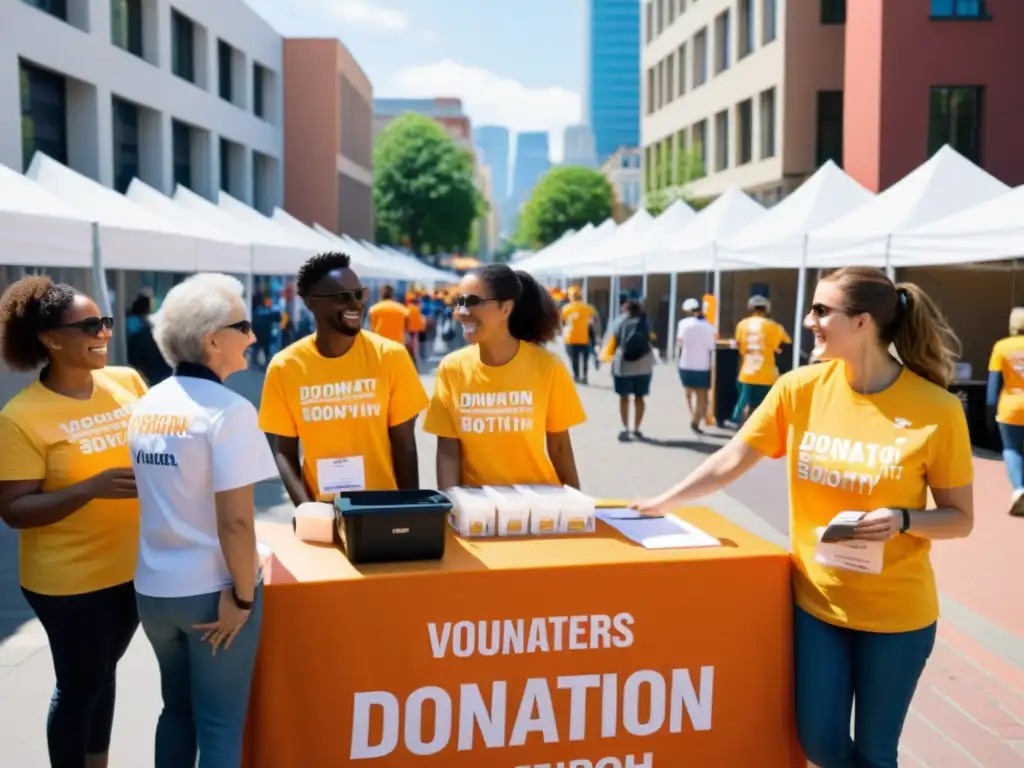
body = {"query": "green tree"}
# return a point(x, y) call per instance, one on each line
point(424, 190)
point(568, 197)
point(689, 168)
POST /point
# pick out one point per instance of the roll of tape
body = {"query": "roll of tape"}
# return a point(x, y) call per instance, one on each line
point(314, 522)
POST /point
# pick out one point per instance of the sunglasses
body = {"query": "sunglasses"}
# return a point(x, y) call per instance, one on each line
point(91, 326)
point(822, 311)
point(341, 297)
point(470, 300)
point(242, 326)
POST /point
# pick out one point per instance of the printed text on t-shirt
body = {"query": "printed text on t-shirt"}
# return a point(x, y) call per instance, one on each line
point(854, 466)
point(98, 433)
point(355, 399)
point(481, 412)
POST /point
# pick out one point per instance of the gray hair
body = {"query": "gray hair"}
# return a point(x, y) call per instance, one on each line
point(200, 305)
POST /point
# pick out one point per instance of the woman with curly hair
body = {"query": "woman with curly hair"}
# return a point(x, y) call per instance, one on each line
point(67, 487)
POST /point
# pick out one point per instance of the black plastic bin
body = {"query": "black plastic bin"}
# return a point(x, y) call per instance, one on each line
point(391, 526)
point(727, 369)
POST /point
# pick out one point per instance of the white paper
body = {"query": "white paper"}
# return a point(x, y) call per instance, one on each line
point(314, 522)
point(340, 475)
point(667, 532)
point(854, 555)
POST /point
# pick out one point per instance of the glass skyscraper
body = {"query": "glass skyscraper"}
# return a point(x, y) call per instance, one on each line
point(611, 93)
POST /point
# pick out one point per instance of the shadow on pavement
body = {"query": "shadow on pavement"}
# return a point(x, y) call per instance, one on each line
point(690, 445)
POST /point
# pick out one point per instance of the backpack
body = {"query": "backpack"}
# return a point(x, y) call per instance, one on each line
point(635, 338)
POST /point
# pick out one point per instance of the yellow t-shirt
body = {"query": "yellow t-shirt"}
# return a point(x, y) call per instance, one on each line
point(63, 441)
point(388, 318)
point(848, 451)
point(502, 415)
point(759, 338)
point(576, 320)
point(1008, 359)
point(417, 323)
point(341, 408)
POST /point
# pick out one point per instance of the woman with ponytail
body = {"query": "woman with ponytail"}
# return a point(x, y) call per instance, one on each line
point(503, 405)
point(868, 433)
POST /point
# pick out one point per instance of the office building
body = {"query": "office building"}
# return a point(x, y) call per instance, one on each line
point(623, 171)
point(189, 93)
point(578, 146)
point(532, 161)
point(445, 111)
point(611, 90)
point(492, 144)
point(328, 137)
point(763, 92)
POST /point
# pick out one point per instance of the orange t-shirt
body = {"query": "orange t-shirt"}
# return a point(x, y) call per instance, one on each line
point(1008, 359)
point(388, 318)
point(417, 324)
point(759, 339)
point(576, 320)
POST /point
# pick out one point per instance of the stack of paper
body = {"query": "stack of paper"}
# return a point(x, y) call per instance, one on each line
point(667, 532)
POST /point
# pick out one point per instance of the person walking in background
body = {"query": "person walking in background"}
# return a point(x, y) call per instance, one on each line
point(264, 324)
point(68, 488)
point(1006, 403)
point(696, 340)
point(388, 318)
point(577, 322)
point(891, 433)
point(143, 353)
point(198, 454)
point(758, 339)
point(417, 326)
point(632, 359)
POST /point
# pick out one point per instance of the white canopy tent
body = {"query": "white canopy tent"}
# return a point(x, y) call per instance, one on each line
point(990, 231)
point(550, 254)
point(290, 251)
point(945, 184)
point(39, 229)
point(590, 259)
point(437, 275)
point(418, 271)
point(530, 258)
point(671, 220)
point(366, 266)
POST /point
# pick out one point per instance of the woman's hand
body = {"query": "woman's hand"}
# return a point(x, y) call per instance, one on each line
point(652, 507)
point(118, 483)
point(230, 620)
point(880, 525)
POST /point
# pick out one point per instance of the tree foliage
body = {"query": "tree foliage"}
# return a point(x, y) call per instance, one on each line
point(566, 198)
point(689, 167)
point(424, 190)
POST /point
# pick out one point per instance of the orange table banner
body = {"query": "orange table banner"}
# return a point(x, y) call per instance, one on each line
point(576, 652)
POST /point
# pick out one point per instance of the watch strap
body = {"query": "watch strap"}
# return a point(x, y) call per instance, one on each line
point(245, 605)
point(905, 525)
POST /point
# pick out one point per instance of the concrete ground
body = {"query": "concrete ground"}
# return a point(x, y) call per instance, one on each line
point(969, 710)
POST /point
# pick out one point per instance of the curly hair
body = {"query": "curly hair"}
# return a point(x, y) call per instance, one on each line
point(27, 308)
point(316, 267)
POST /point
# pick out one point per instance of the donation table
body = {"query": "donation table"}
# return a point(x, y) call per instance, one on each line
point(516, 652)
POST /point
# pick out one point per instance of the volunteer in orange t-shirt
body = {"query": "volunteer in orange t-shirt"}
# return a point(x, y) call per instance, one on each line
point(349, 396)
point(67, 487)
point(860, 432)
point(577, 321)
point(388, 318)
point(1006, 403)
point(416, 325)
point(503, 406)
point(758, 338)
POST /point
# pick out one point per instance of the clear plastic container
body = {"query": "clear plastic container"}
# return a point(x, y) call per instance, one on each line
point(574, 511)
point(474, 512)
point(513, 510)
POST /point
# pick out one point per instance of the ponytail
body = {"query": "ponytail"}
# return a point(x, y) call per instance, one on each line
point(924, 341)
point(534, 317)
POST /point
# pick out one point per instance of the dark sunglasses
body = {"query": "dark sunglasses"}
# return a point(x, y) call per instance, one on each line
point(341, 297)
point(822, 311)
point(242, 326)
point(91, 326)
point(470, 300)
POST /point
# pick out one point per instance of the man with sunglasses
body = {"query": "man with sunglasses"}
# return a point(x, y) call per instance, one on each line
point(349, 396)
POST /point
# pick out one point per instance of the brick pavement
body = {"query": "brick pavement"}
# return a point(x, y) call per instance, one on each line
point(969, 710)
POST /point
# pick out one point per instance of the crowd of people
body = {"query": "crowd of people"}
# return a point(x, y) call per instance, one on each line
point(134, 499)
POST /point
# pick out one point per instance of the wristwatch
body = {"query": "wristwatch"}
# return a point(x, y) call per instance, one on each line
point(245, 605)
point(905, 525)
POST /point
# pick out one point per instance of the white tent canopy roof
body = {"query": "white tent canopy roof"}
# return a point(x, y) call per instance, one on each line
point(945, 184)
point(361, 254)
point(39, 229)
point(368, 267)
point(776, 240)
point(131, 237)
point(267, 231)
point(550, 260)
point(541, 257)
point(435, 275)
point(605, 250)
point(661, 230)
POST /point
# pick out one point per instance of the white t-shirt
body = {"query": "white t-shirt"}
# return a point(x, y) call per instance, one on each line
point(698, 338)
point(190, 438)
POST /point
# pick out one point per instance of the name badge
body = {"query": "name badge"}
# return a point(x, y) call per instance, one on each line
point(340, 475)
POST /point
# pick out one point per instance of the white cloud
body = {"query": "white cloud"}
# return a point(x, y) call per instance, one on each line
point(370, 13)
point(490, 99)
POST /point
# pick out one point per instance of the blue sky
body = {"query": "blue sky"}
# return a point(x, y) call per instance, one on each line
point(517, 63)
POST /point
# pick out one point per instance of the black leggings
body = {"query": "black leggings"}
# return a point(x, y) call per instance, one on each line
point(88, 635)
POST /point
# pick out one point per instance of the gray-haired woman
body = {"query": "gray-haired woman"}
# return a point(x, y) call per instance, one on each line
point(197, 452)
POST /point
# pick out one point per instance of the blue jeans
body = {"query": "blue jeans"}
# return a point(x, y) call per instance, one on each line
point(205, 696)
point(834, 666)
point(1013, 453)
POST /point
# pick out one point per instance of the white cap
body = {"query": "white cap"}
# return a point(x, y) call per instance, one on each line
point(691, 305)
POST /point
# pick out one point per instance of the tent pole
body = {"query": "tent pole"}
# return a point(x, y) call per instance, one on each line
point(673, 302)
point(99, 274)
point(717, 286)
point(801, 299)
point(586, 290)
point(890, 270)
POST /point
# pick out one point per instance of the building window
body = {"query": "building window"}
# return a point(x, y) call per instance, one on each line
point(722, 56)
point(670, 78)
point(746, 28)
point(650, 91)
point(700, 58)
point(661, 16)
point(722, 141)
point(745, 126)
point(671, 12)
point(258, 80)
point(225, 165)
point(770, 20)
point(58, 8)
point(44, 126)
point(959, 9)
point(183, 57)
point(660, 85)
point(955, 118)
point(768, 123)
point(699, 142)
point(830, 128)
point(681, 58)
point(833, 11)
point(647, 169)
point(181, 137)
point(225, 70)
point(126, 25)
point(126, 143)
point(650, 20)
